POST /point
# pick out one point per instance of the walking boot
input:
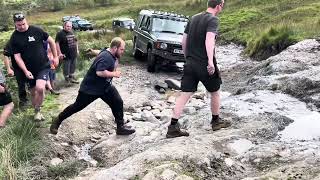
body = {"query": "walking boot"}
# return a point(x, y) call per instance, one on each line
point(52, 91)
point(124, 130)
point(54, 126)
point(37, 115)
point(73, 80)
point(175, 131)
point(219, 123)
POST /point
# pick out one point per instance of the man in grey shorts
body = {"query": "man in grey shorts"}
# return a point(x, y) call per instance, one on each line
point(198, 45)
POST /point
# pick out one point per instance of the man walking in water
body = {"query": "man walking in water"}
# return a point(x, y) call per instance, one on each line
point(98, 84)
point(198, 44)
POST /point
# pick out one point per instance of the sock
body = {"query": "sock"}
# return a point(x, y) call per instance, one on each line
point(214, 118)
point(174, 121)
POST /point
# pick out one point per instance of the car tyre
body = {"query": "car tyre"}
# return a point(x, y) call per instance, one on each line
point(151, 61)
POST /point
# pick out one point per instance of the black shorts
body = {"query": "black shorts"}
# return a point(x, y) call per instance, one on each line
point(5, 98)
point(43, 74)
point(195, 71)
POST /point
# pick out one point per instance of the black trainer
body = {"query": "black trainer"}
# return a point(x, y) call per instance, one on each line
point(52, 91)
point(124, 130)
point(175, 131)
point(219, 123)
point(54, 126)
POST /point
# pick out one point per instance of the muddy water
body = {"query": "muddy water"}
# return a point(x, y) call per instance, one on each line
point(306, 125)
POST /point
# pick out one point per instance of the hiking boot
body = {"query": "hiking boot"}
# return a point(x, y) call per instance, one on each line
point(38, 116)
point(175, 131)
point(54, 92)
point(54, 126)
point(218, 124)
point(73, 80)
point(23, 103)
point(124, 130)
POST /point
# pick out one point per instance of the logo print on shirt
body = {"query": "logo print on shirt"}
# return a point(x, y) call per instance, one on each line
point(31, 38)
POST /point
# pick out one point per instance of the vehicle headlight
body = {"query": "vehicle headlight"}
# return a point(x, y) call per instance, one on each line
point(163, 46)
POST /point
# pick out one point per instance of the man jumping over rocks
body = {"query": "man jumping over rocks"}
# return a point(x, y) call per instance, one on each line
point(98, 84)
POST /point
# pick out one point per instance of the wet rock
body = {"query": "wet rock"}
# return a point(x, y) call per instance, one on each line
point(158, 85)
point(56, 161)
point(171, 99)
point(137, 117)
point(183, 177)
point(189, 110)
point(173, 84)
point(168, 175)
point(199, 95)
point(150, 176)
point(149, 117)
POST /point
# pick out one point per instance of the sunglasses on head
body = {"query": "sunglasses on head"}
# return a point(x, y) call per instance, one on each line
point(18, 17)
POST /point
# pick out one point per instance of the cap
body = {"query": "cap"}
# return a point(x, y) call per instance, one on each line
point(18, 16)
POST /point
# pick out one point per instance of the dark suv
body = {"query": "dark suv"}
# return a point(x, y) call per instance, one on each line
point(159, 35)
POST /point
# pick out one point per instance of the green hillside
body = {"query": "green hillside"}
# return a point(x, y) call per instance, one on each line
point(265, 27)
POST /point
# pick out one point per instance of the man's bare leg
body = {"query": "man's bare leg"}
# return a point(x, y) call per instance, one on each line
point(39, 97)
point(181, 101)
point(174, 129)
point(215, 103)
point(7, 110)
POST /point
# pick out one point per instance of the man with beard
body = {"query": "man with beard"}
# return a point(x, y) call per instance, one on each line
point(67, 47)
point(98, 84)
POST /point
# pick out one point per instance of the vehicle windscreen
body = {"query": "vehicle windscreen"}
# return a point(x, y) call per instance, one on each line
point(127, 23)
point(83, 22)
point(168, 25)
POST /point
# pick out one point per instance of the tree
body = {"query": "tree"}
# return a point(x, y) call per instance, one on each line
point(4, 17)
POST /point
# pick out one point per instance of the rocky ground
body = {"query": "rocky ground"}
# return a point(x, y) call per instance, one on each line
point(272, 104)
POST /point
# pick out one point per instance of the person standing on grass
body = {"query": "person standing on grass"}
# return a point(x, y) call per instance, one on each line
point(27, 46)
point(198, 44)
point(97, 83)
point(5, 101)
point(67, 47)
point(17, 72)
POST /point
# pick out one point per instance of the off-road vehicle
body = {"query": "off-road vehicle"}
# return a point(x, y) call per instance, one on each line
point(123, 22)
point(158, 35)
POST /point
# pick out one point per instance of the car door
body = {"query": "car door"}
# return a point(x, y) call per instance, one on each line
point(141, 40)
point(145, 34)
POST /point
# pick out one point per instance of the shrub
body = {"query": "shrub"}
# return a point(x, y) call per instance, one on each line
point(5, 15)
point(270, 42)
point(65, 170)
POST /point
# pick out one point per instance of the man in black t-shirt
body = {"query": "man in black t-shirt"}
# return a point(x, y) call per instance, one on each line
point(97, 84)
point(31, 57)
point(67, 48)
point(198, 45)
point(17, 72)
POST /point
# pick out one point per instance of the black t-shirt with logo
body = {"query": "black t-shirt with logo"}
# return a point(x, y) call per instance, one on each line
point(68, 43)
point(30, 45)
point(197, 29)
point(93, 84)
